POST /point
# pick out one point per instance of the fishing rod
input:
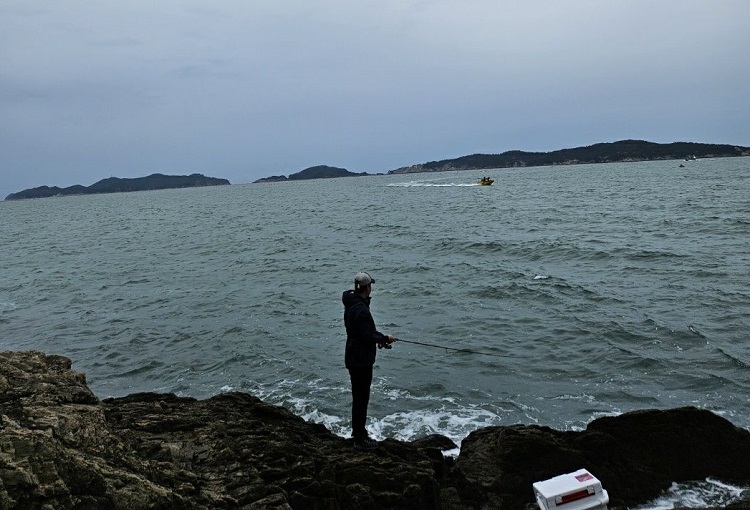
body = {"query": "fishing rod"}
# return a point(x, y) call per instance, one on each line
point(469, 351)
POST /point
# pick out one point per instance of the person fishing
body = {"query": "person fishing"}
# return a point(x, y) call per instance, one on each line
point(361, 339)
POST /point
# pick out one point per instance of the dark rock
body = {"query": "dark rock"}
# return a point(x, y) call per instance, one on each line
point(739, 505)
point(636, 456)
point(435, 441)
point(63, 448)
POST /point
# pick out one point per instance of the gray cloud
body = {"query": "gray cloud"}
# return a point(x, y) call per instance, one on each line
point(247, 89)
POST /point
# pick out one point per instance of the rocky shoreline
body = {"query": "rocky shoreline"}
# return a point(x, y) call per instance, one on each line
point(61, 447)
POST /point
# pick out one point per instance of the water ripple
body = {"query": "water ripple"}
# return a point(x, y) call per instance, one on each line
point(599, 291)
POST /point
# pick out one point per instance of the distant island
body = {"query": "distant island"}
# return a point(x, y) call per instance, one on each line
point(622, 151)
point(314, 172)
point(119, 185)
point(611, 152)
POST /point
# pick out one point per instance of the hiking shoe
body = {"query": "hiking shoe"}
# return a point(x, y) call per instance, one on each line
point(365, 442)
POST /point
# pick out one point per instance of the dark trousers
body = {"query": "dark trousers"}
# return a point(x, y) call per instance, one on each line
point(361, 378)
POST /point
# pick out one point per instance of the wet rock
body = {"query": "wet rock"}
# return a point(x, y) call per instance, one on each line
point(60, 447)
point(63, 448)
point(636, 455)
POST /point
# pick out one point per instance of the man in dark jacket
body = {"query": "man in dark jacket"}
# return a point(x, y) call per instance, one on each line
point(361, 339)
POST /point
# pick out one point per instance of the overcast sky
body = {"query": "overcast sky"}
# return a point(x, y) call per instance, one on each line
point(244, 89)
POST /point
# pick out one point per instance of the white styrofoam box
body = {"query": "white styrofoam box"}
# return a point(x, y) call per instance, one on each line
point(579, 490)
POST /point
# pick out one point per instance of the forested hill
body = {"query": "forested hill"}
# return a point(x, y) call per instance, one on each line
point(118, 185)
point(314, 172)
point(625, 150)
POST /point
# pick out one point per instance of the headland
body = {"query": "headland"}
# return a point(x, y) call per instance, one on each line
point(615, 152)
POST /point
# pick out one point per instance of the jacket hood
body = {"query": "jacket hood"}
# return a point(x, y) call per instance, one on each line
point(351, 298)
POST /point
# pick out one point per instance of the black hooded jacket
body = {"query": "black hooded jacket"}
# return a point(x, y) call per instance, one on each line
point(361, 335)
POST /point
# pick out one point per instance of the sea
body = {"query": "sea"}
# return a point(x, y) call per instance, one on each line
point(553, 297)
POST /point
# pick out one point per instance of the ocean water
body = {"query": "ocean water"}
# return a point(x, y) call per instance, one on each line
point(586, 290)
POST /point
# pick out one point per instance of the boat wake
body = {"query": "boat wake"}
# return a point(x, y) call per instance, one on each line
point(428, 184)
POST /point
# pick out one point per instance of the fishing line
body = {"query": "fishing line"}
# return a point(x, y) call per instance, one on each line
point(469, 351)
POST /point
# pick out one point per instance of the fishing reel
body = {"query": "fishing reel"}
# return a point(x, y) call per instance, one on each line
point(386, 344)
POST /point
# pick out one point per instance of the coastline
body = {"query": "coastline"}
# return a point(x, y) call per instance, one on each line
point(64, 447)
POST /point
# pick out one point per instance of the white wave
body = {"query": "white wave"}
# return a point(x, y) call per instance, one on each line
point(335, 424)
point(454, 423)
point(428, 184)
point(400, 394)
point(706, 494)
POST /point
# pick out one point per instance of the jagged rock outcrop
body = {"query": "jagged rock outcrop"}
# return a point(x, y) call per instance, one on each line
point(63, 448)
